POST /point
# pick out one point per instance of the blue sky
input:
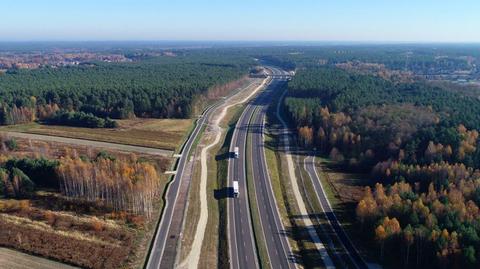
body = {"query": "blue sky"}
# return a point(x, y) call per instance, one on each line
point(305, 20)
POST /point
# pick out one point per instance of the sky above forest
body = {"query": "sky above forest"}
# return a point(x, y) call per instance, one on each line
point(241, 20)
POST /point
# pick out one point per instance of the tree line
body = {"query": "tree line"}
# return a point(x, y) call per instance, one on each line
point(123, 184)
point(80, 119)
point(363, 119)
point(419, 143)
point(152, 87)
point(413, 58)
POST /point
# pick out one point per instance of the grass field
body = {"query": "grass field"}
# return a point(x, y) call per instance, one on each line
point(156, 133)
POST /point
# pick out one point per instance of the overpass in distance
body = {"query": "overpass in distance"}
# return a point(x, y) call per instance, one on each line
point(283, 76)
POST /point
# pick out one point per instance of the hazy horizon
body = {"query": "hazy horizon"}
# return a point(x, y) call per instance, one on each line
point(370, 21)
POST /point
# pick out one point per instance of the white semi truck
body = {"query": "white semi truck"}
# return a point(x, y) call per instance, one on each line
point(235, 152)
point(235, 188)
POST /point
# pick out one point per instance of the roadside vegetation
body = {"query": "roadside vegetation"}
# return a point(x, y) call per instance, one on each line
point(80, 119)
point(156, 133)
point(418, 142)
point(304, 248)
point(78, 205)
point(119, 188)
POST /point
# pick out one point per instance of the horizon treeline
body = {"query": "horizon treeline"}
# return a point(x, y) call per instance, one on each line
point(160, 86)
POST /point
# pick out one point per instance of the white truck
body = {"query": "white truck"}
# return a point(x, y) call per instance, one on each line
point(235, 152)
point(235, 188)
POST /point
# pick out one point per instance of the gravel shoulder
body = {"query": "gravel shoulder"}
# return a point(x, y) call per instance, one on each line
point(213, 132)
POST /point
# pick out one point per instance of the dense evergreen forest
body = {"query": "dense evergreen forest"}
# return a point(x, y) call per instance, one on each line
point(161, 86)
point(420, 143)
point(80, 119)
point(364, 115)
point(444, 59)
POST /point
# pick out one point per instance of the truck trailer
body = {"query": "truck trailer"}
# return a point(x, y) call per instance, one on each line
point(235, 188)
point(235, 152)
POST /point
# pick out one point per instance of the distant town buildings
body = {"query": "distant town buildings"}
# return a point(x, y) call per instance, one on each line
point(9, 60)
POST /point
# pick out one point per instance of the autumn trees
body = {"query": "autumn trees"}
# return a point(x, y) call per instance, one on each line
point(386, 230)
point(15, 183)
point(368, 119)
point(16, 115)
point(418, 142)
point(442, 223)
point(125, 185)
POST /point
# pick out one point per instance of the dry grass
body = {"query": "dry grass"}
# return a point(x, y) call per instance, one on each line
point(53, 203)
point(157, 133)
point(343, 186)
point(210, 241)
point(41, 226)
point(192, 211)
point(17, 260)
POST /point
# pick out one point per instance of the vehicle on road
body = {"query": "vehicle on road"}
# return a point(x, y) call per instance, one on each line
point(235, 153)
point(235, 188)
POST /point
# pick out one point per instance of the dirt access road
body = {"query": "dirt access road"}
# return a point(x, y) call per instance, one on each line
point(17, 260)
point(91, 143)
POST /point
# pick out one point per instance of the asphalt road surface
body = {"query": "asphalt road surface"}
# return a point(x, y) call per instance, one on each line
point(240, 232)
point(165, 231)
point(350, 251)
point(242, 246)
point(274, 234)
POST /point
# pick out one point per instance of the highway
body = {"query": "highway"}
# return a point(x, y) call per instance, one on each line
point(349, 255)
point(167, 235)
point(349, 251)
point(241, 244)
point(240, 232)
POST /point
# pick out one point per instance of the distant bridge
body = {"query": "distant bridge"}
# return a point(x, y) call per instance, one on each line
point(275, 76)
point(281, 77)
